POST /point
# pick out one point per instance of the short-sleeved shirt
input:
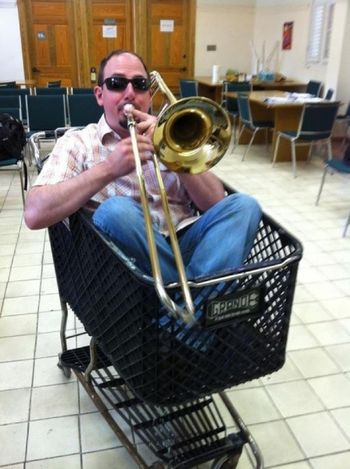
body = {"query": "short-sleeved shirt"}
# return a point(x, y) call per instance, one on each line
point(80, 150)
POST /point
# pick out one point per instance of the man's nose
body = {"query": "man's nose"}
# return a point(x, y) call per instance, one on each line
point(129, 91)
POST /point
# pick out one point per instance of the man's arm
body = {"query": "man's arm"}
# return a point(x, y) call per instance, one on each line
point(205, 190)
point(49, 204)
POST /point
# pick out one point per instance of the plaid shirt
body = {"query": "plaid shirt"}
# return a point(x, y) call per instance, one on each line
point(80, 150)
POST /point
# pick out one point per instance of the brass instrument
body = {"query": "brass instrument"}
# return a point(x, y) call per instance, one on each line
point(192, 135)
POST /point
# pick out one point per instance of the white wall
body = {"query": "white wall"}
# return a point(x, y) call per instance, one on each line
point(269, 21)
point(229, 28)
point(11, 67)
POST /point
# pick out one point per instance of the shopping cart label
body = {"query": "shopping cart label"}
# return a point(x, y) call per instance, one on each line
point(228, 308)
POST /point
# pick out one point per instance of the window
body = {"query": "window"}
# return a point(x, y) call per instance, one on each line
point(322, 12)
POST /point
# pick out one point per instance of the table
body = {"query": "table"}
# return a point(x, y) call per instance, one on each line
point(211, 90)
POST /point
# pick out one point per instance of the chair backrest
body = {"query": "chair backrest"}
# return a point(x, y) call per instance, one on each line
point(83, 109)
point(13, 111)
point(50, 91)
point(46, 112)
point(329, 94)
point(8, 84)
point(22, 92)
point(314, 87)
point(13, 103)
point(244, 108)
point(230, 103)
point(82, 90)
point(317, 120)
point(10, 101)
point(188, 88)
point(54, 84)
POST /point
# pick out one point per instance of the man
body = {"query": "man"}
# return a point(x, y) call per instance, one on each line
point(97, 164)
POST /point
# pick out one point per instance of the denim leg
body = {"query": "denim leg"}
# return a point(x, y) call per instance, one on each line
point(222, 237)
point(121, 218)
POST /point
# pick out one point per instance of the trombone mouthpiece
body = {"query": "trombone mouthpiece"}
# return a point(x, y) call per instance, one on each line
point(128, 108)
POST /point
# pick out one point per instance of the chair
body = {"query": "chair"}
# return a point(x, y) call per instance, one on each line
point(46, 113)
point(8, 84)
point(22, 92)
point(12, 104)
point(231, 104)
point(50, 91)
point(329, 94)
point(188, 88)
point(247, 122)
point(332, 166)
point(82, 90)
point(13, 111)
point(12, 164)
point(315, 126)
point(345, 120)
point(54, 84)
point(314, 87)
point(83, 109)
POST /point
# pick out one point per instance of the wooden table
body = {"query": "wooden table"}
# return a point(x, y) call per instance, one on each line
point(211, 90)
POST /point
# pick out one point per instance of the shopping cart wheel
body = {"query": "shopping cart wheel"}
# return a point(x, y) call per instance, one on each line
point(66, 371)
point(228, 461)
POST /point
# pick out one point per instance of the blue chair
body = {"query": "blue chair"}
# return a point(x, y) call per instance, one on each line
point(82, 90)
point(46, 113)
point(247, 122)
point(230, 104)
point(329, 94)
point(335, 166)
point(8, 84)
point(315, 126)
point(22, 92)
point(314, 87)
point(50, 91)
point(188, 88)
point(54, 84)
point(83, 109)
point(12, 103)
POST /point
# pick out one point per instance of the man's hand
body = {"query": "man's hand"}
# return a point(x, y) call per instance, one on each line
point(146, 123)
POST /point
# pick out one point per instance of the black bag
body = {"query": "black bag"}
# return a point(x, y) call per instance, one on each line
point(12, 141)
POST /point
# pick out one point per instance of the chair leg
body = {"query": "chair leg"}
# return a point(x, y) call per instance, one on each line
point(249, 145)
point(346, 225)
point(20, 172)
point(329, 149)
point(294, 160)
point(322, 183)
point(276, 150)
point(239, 136)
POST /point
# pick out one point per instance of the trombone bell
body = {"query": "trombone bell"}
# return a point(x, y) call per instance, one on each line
point(192, 135)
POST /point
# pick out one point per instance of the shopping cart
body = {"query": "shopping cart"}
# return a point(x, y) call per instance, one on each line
point(167, 388)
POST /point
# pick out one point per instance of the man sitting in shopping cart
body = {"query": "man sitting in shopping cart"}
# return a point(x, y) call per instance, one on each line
point(97, 165)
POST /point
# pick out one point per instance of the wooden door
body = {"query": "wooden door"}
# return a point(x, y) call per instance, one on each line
point(48, 38)
point(165, 33)
point(109, 27)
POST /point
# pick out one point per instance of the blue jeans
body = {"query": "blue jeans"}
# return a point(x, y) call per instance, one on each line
point(214, 244)
point(217, 242)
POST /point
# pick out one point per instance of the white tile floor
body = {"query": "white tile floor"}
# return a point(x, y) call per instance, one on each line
point(300, 416)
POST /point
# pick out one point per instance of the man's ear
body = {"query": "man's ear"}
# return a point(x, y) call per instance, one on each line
point(98, 95)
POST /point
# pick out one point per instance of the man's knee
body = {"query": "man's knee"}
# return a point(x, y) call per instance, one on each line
point(245, 204)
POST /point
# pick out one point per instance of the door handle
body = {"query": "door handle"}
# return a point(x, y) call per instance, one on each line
point(35, 70)
point(183, 69)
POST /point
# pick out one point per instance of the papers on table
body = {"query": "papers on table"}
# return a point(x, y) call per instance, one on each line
point(292, 98)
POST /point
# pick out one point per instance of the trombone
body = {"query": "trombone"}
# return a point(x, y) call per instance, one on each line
point(191, 135)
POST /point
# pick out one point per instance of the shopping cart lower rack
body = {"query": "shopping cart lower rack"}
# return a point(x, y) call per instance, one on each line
point(166, 380)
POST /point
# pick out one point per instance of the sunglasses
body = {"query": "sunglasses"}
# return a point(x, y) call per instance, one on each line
point(120, 83)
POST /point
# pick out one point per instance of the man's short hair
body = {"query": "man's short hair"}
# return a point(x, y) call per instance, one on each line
point(114, 53)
